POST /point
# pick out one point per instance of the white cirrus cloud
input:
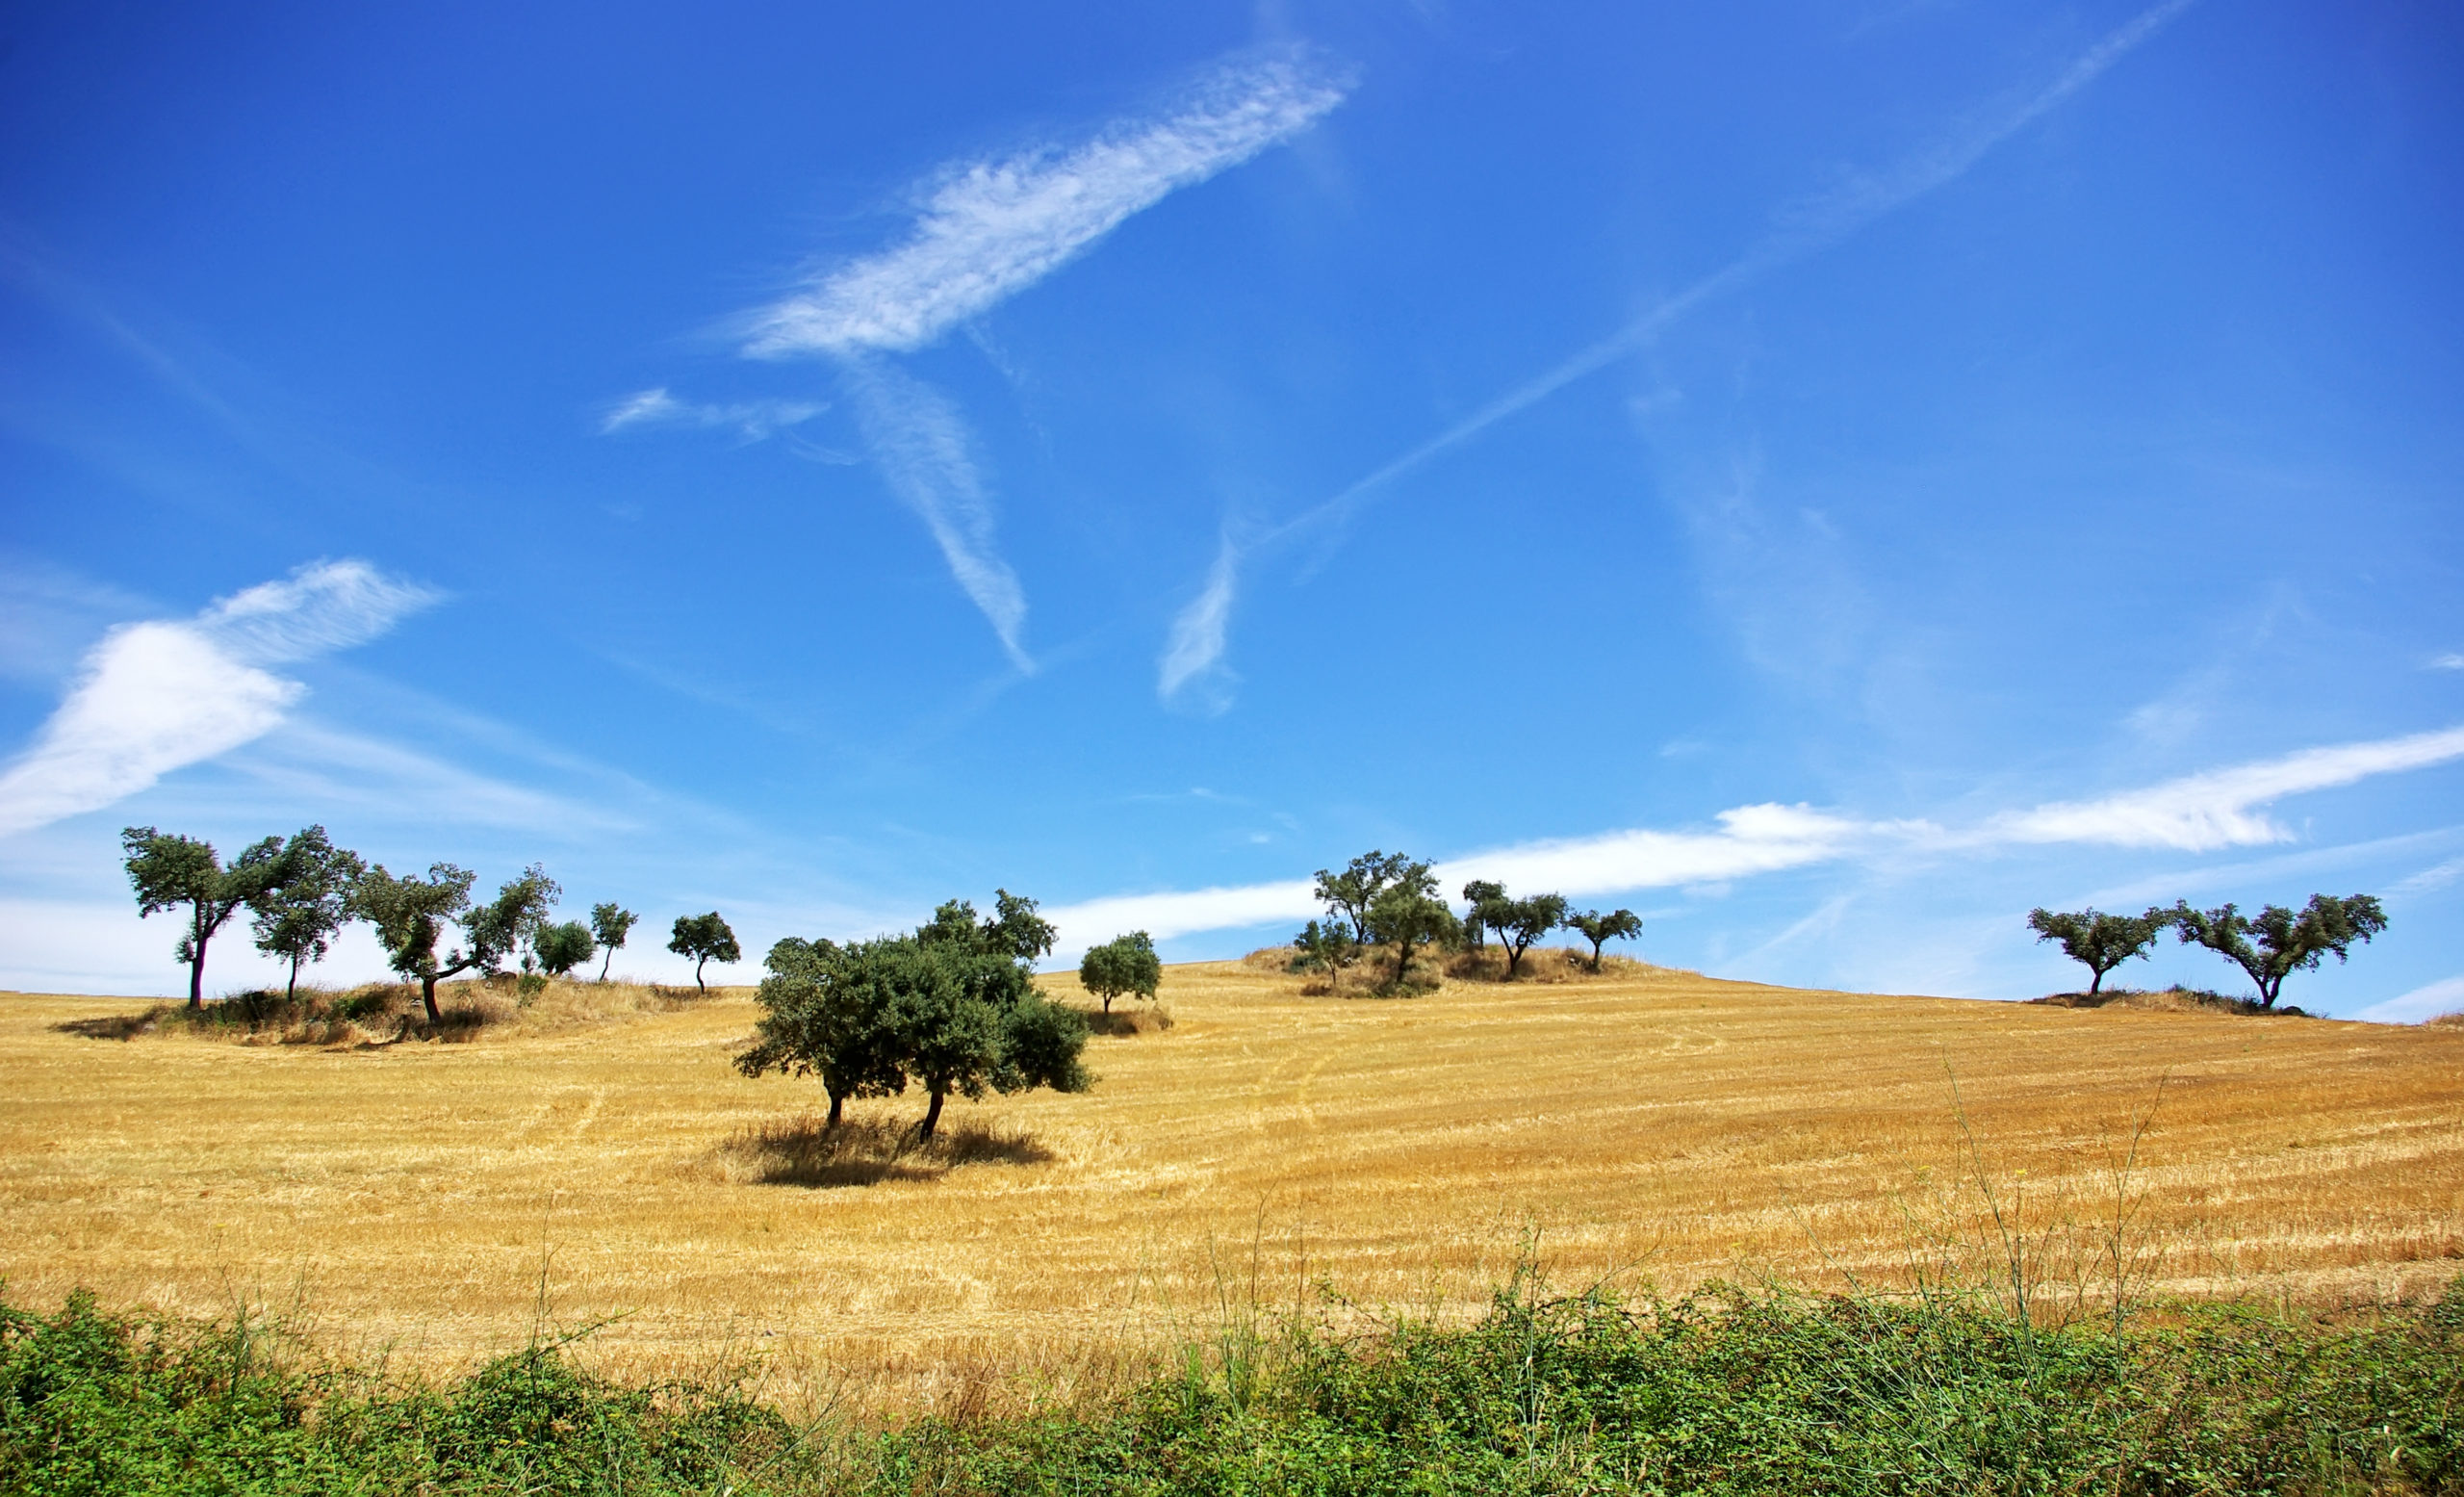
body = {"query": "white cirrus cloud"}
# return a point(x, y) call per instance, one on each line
point(989, 229)
point(154, 696)
point(1195, 649)
point(2222, 808)
point(2426, 1001)
point(754, 419)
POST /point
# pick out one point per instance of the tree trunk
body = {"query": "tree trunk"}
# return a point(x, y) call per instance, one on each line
point(291, 990)
point(602, 965)
point(932, 1115)
point(697, 977)
point(1513, 956)
point(1595, 954)
point(2096, 981)
point(1108, 1005)
point(838, 1105)
point(196, 957)
point(427, 996)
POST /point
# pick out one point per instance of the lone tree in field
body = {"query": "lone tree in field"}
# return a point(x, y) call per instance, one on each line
point(2288, 942)
point(1351, 892)
point(1476, 894)
point(411, 914)
point(2102, 942)
point(1601, 929)
point(306, 901)
point(1518, 922)
point(824, 1013)
point(1328, 946)
point(563, 947)
point(1121, 966)
point(1407, 916)
point(705, 937)
point(609, 924)
point(169, 871)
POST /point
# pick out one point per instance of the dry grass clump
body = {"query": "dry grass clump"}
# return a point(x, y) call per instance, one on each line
point(2177, 999)
point(1272, 959)
point(1544, 965)
point(1128, 1023)
point(866, 1151)
point(377, 1015)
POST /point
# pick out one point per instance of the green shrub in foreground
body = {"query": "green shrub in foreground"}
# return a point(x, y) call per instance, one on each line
point(1729, 1392)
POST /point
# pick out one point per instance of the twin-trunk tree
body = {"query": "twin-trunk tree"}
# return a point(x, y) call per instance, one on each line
point(411, 915)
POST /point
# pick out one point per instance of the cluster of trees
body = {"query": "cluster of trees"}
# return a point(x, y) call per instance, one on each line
point(302, 892)
point(2268, 948)
point(1389, 901)
point(952, 1008)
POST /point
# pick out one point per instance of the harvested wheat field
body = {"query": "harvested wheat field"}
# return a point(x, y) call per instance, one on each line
point(425, 1198)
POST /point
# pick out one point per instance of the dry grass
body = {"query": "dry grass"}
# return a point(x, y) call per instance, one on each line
point(423, 1197)
point(384, 1013)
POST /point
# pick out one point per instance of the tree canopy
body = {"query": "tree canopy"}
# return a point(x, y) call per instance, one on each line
point(169, 871)
point(1122, 965)
point(1601, 929)
point(411, 914)
point(1328, 945)
point(2286, 941)
point(1351, 892)
point(564, 947)
point(824, 1013)
point(1476, 894)
point(1518, 922)
point(1407, 915)
point(2101, 942)
point(610, 924)
point(305, 900)
point(705, 937)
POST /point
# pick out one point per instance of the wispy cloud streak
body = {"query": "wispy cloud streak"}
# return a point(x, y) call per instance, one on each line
point(921, 447)
point(158, 695)
point(755, 420)
point(1802, 229)
point(989, 229)
point(1197, 646)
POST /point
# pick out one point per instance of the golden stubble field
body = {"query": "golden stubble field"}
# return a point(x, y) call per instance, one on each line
point(420, 1201)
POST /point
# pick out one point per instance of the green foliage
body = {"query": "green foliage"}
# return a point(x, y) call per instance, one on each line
point(2102, 942)
point(1407, 915)
point(1325, 947)
point(305, 900)
point(563, 947)
point(411, 914)
point(1122, 965)
point(2288, 942)
point(1730, 1391)
point(1601, 929)
point(1518, 922)
point(610, 924)
point(705, 937)
point(952, 1008)
point(169, 871)
point(1352, 893)
point(1476, 894)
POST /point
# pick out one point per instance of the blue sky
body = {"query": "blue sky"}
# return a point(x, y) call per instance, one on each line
point(1829, 477)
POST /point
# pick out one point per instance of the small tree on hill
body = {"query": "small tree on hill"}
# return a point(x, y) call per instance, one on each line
point(411, 913)
point(563, 947)
point(609, 924)
point(306, 901)
point(1519, 922)
point(2101, 942)
point(1601, 929)
point(824, 1013)
point(169, 871)
point(2288, 940)
point(705, 937)
point(1476, 894)
point(1123, 964)
point(1328, 946)
point(1408, 915)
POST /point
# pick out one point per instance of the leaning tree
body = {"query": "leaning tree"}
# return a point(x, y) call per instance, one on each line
point(2281, 942)
point(411, 914)
point(609, 924)
point(1518, 922)
point(2101, 942)
point(705, 937)
point(169, 871)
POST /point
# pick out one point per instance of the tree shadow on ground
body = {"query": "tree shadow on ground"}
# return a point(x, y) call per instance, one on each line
point(869, 1151)
point(2170, 1001)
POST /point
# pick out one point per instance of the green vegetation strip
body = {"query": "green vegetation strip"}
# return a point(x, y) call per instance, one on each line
point(1737, 1391)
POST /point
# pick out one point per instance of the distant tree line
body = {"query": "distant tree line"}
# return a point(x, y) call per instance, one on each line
point(951, 1008)
point(1388, 903)
point(302, 892)
point(2268, 948)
